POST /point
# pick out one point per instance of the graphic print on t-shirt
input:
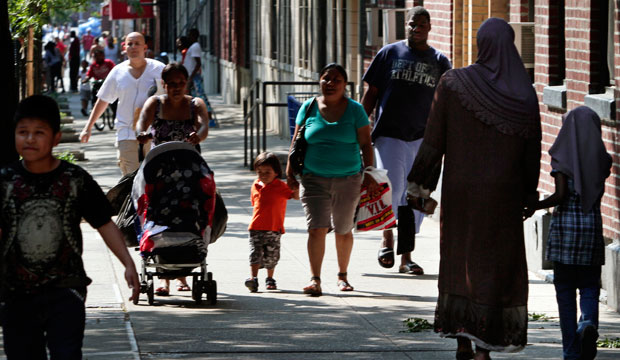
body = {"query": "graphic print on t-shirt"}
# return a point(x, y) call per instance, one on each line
point(39, 233)
point(40, 217)
point(415, 71)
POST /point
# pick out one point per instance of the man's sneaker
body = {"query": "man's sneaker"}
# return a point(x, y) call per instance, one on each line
point(252, 284)
point(588, 342)
point(84, 112)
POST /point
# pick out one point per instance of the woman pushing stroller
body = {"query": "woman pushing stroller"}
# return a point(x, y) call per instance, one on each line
point(173, 117)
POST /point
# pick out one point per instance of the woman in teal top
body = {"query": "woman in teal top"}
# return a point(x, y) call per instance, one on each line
point(337, 128)
point(333, 148)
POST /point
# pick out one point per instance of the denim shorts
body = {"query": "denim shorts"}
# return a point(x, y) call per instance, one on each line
point(330, 202)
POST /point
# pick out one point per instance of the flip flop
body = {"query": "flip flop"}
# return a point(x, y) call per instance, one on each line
point(162, 291)
point(183, 287)
point(411, 268)
point(386, 257)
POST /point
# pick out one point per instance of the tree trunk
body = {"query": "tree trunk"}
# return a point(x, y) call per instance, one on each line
point(30, 63)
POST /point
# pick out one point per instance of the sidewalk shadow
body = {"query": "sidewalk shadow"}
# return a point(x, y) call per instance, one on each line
point(433, 277)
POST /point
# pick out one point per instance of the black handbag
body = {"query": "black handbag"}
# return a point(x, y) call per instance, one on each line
point(300, 145)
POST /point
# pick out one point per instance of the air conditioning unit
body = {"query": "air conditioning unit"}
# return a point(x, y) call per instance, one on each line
point(525, 42)
point(374, 30)
point(394, 25)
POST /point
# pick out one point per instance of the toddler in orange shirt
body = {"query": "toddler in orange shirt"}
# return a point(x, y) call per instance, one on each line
point(269, 197)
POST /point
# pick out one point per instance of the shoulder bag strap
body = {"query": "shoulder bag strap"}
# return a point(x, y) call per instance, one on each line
point(308, 111)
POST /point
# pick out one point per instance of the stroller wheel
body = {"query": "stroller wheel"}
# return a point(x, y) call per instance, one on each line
point(150, 291)
point(197, 286)
point(211, 287)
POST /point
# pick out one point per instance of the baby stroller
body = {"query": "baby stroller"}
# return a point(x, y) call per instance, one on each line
point(174, 194)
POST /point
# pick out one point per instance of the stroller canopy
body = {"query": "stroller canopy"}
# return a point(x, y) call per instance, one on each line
point(173, 191)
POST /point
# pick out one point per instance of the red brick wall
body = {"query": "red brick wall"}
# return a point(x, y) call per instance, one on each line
point(611, 135)
point(518, 11)
point(440, 36)
point(578, 76)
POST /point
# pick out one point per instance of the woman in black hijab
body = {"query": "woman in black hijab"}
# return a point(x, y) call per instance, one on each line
point(485, 124)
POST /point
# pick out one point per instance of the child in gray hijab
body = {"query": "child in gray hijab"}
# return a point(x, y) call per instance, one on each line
point(580, 164)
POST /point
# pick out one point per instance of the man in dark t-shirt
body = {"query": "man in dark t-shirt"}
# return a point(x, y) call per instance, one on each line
point(74, 61)
point(401, 83)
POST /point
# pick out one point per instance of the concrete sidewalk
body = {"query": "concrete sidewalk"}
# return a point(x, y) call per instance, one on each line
point(282, 324)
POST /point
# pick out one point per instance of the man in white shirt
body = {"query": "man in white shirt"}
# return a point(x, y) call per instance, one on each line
point(129, 82)
point(193, 64)
point(192, 61)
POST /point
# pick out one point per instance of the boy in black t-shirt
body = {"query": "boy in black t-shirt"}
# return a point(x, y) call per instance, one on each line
point(42, 277)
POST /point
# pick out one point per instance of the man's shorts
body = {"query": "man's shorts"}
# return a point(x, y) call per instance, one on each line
point(264, 248)
point(330, 202)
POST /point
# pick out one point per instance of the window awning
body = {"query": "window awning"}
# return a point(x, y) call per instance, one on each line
point(117, 10)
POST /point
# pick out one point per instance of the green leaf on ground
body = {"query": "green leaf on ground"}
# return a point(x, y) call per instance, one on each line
point(413, 325)
point(66, 156)
point(609, 343)
point(538, 317)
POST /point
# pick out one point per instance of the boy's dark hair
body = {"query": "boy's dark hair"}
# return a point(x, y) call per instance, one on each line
point(338, 67)
point(417, 11)
point(50, 45)
point(184, 41)
point(41, 107)
point(98, 51)
point(268, 158)
point(193, 33)
point(171, 69)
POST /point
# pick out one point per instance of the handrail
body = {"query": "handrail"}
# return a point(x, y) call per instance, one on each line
point(253, 118)
point(276, 104)
point(251, 102)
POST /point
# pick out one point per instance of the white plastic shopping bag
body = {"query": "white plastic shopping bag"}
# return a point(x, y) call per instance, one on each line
point(375, 213)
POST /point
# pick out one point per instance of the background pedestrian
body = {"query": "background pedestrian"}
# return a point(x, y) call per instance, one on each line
point(129, 82)
point(74, 61)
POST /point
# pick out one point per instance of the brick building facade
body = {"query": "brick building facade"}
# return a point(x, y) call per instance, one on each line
point(573, 55)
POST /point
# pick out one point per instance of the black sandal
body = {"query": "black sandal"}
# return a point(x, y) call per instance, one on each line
point(411, 268)
point(386, 257)
point(314, 288)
